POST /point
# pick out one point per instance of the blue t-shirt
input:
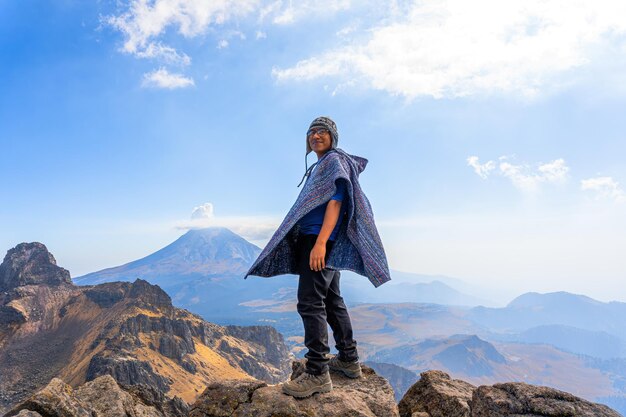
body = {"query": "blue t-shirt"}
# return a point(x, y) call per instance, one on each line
point(311, 223)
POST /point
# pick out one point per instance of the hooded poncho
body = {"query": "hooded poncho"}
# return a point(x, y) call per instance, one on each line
point(357, 248)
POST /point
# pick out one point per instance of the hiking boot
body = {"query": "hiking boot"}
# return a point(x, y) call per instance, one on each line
point(307, 384)
point(349, 369)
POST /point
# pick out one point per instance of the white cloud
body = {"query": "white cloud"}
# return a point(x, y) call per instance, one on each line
point(526, 178)
point(164, 53)
point(204, 211)
point(251, 228)
point(456, 48)
point(523, 176)
point(144, 23)
point(146, 20)
point(161, 78)
point(604, 187)
point(482, 170)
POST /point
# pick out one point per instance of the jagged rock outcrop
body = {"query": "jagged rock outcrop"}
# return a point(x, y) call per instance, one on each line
point(31, 264)
point(101, 397)
point(368, 396)
point(130, 331)
point(438, 395)
point(126, 370)
point(271, 349)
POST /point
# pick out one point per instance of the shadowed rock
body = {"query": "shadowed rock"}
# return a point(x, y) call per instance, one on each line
point(368, 396)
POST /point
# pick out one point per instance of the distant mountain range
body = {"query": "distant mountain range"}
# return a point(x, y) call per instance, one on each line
point(415, 321)
point(558, 308)
point(203, 272)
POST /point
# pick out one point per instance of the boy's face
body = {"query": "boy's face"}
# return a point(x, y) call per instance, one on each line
point(320, 141)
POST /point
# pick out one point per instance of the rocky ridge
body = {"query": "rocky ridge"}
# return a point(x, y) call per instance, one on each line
point(122, 349)
point(130, 331)
point(369, 396)
point(434, 395)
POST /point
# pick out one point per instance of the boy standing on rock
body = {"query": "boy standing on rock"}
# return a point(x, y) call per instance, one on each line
point(330, 227)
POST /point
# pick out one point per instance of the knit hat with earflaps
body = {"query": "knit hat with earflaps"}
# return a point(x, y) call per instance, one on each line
point(327, 123)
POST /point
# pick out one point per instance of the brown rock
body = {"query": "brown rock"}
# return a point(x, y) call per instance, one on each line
point(100, 397)
point(57, 399)
point(368, 396)
point(31, 264)
point(224, 398)
point(104, 397)
point(437, 395)
point(520, 399)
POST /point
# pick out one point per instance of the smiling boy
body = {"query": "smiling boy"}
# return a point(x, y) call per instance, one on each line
point(330, 227)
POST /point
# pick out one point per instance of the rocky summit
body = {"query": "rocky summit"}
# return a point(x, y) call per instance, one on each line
point(31, 264)
point(434, 395)
point(368, 396)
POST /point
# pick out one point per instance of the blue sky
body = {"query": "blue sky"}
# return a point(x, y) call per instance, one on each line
point(495, 133)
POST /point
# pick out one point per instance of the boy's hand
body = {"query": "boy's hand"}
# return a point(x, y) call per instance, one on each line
point(316, 259)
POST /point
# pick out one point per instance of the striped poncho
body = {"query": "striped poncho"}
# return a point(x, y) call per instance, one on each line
point(357, 246)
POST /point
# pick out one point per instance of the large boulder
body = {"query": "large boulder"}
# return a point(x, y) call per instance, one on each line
point(368, 396)
point(438, 395)
point(518, 398)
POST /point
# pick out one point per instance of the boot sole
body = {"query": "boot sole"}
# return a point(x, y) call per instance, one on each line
point(347, 373)
point(328, 387)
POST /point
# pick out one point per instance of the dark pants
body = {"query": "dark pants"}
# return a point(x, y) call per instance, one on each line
point(319, 302)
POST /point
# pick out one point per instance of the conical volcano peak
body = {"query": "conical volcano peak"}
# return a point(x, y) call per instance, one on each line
point(31, 264)
point(208, 251)
point(213, 244)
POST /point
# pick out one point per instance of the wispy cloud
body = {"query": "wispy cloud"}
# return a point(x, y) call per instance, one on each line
point(164, 53)
point(145, 23)
point(482, 170)
point(251, 228)
point(161, 78)
point(455, 48)
point(524, 176)
point(604, 187)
